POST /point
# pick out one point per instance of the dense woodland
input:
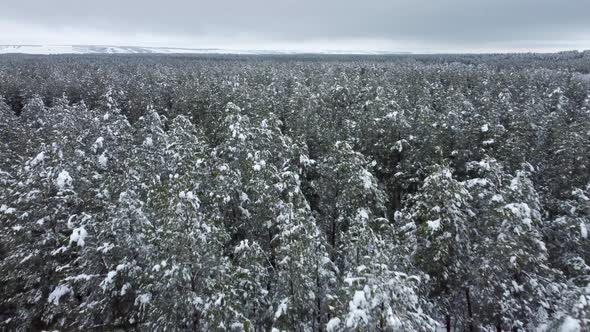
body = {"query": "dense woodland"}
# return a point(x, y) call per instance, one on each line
point(295, 193)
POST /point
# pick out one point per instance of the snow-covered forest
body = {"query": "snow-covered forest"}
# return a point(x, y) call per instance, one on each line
point(295, 193)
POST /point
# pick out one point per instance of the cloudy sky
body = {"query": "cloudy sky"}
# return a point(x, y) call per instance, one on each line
point(304, 25)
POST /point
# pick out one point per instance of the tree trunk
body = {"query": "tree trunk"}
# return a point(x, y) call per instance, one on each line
point(448, 320)
point(469, 310)
point(498, 327)
point(318, 302)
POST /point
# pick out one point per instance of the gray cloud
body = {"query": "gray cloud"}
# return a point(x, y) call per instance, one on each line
point(418, 24)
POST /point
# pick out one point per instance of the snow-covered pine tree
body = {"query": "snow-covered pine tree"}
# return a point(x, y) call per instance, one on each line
point(511, 280)
point(369, 292)
point(257, 175)
point(439, 222)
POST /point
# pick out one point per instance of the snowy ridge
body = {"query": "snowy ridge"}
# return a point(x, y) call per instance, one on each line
point(95, 49)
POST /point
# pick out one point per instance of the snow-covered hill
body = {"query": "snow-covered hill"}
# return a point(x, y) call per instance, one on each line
point(93, 49)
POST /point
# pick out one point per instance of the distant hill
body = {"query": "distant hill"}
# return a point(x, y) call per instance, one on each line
point(105, 49)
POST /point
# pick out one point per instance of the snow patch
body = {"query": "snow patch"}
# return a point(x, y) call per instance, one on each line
point(521, 211)
point(243, 245)
point(570, 325)
point(282, 308)
point(63, 180)
point(58, 293)
point(476, 182)
point(488, 142)
point(433, 225)
point(142, 300)
point(7, 210)
point(148, 141)
point(98, 144)
point(38, 159)
point(78, 236)
point(357, 310)
point(497, 198)
point(259, 165)
point(333, 324)
point(243, 197)
point(108, 280)
point(102, 160)
point(367, 179)
point(363, 214)
point(79, 277)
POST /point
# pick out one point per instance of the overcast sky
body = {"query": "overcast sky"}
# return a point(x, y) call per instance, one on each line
point(305, 25)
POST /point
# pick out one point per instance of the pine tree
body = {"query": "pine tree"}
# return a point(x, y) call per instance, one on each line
point(439, 221)
point(513, 279)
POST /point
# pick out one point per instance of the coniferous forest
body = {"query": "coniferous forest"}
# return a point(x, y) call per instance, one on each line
point(295, 193)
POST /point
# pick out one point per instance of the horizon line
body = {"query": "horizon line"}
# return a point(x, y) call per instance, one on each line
point(278, 51)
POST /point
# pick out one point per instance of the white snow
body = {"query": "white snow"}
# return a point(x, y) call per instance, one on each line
point(357, 310)
point(515, 183)
point(103, 160)
point(148, 141)
point(521, 211)
point(83, 276)
point(125, 288)
point(259, 165)
point(243, 245)
point(58, 293)
point(583, 230)
point(579, 193)
point(70, 49)
point(142, 300)
point(392, 115)
point(433, 225)
point(305, 161)
point(517, 288)
point(363, 213)
point(333, 324)
point(350, 281)
point(78, 236)
point(108, 280)
point(282, 308)
point(63, 180)
point(26, 258)
point(105, 247)
point(99, 143)
point(570, 325)
point(367, 179)
point(110, 49)
point(484, 128)
point(476, 182)
point(398, 146)
point(497, 198)
point(39, 158)
point(7, 210)
point(488, 142)
point(188, 195)
point(237, 326)
point(243, 197)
